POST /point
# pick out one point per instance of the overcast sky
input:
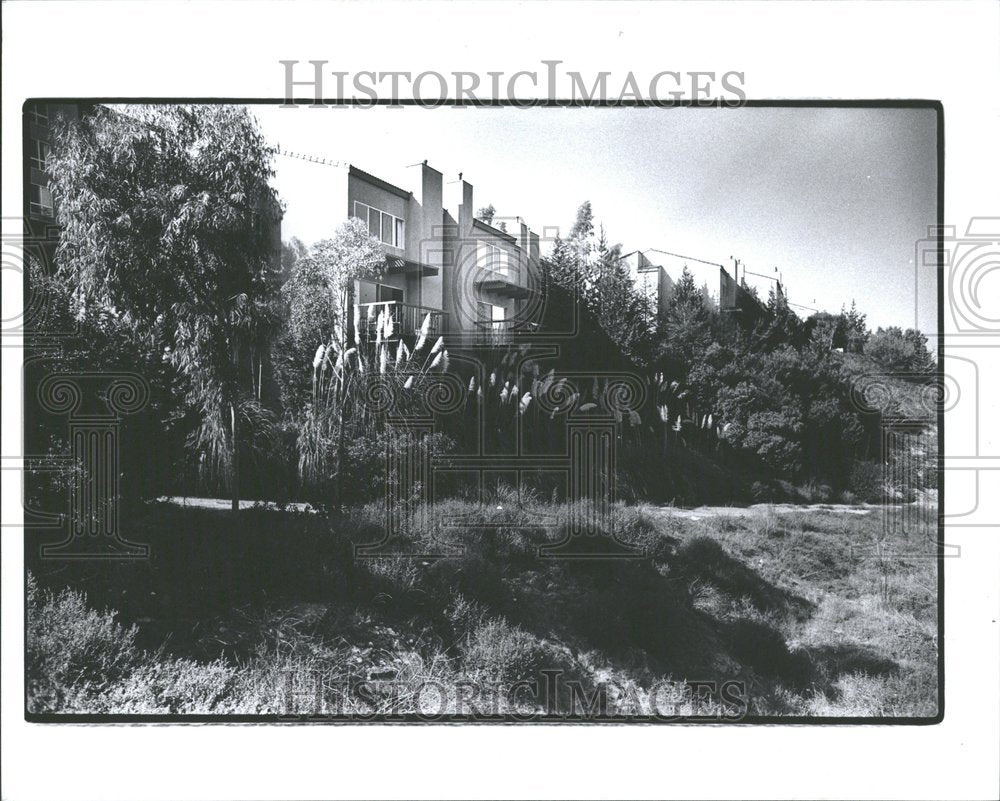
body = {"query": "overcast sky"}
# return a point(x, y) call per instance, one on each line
point(834, 198)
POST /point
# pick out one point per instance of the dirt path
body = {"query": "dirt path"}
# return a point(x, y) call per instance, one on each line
point(702, 512)
point(697, 513)
point(225, 504)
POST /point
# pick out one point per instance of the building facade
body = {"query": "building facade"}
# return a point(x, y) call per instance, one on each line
point(477, 282)
point(656, 274)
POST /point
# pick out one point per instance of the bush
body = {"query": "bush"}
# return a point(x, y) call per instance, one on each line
point(365, 464)
point(866, 481)
point(82, 660)
point(72, 649)
point(899, 351)
point(498, 653)
point(167, 686)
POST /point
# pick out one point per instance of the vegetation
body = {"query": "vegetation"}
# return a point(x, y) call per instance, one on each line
point(164, 260)
point(295, 393)
point(899, 351)
point(819, 613)
point(162, 215)
point(781, 395)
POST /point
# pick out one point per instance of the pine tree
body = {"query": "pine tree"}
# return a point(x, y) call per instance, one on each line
point(856, 329)
point(688, 321)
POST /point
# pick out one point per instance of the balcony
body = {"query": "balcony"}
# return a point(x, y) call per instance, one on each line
point(407, 319)
point(502, 282)
point(399, 265)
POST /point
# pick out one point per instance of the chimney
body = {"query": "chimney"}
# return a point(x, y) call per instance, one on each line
point(458, 202)
point(467, 199)
point(429, 189)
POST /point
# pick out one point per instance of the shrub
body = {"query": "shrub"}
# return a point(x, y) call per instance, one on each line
point(82, 660)
point(71, 648)
point(639, 530)
point(167, 686)
point(498, 653)
point(866, 481)
point(899, 351)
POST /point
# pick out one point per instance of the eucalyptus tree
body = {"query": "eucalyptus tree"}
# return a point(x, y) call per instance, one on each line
point(166, 218)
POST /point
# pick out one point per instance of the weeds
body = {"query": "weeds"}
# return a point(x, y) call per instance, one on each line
point(276, 614)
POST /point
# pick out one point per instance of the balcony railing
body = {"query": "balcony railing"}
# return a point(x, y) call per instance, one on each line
point(498, 332)
point(407, 319)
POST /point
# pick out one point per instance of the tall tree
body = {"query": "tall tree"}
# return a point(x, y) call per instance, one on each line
point(688, 323)
point(164, 215)
point(624, 312)
point(828, 331)
point(780, 325)
point(856, 329)
point(581, 237)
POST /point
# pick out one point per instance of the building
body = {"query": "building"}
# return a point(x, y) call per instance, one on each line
point(657, 272)
point(477, 282)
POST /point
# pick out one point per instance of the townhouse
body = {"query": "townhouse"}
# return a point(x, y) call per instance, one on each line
point(478, 282)
point(656, 273)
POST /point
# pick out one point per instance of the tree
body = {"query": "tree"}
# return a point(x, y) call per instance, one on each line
point(923, 361)
point(291, 251)
point(488, 214)
point(623, 311)
point(780, 325)
point(319, 294)
point(898, 351)
point(581, 236)
point(856, 329)
point(687, 323)
point(163, 213)
point(828, 331)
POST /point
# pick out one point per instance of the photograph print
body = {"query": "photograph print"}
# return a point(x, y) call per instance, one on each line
point(536, 415)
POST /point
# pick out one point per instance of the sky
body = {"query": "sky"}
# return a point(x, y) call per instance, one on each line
point(836, 199)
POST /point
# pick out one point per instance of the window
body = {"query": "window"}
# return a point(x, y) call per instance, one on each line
point(40, 201)
point(383, 226)
point(384, 292)
point(39, 114)
point(38, 154)
point(488, 313)
point(493, 258)
point(388, 229)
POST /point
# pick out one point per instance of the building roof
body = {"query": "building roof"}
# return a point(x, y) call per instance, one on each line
point(367, 176)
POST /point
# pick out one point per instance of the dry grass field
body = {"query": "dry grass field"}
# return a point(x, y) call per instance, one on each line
point(755, 612)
